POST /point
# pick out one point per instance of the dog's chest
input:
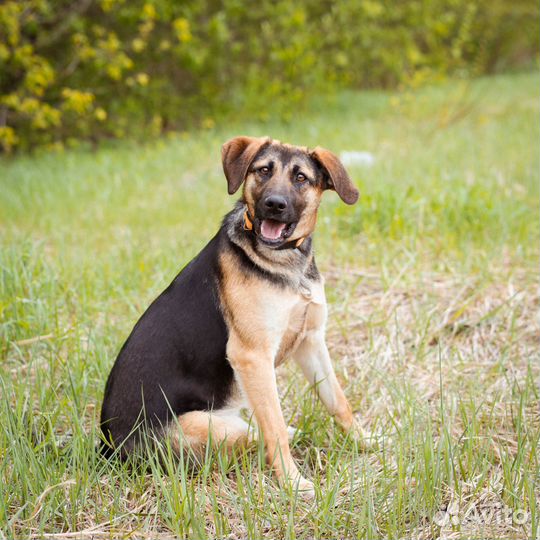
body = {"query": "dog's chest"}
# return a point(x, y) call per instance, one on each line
point(307, 312)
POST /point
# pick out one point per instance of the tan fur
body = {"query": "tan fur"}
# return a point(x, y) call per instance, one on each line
point(267, 325)
point(223, 428)
point(265, 322)
point(306, 224)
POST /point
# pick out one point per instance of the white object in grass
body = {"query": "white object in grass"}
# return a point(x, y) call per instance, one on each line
point(361, 159)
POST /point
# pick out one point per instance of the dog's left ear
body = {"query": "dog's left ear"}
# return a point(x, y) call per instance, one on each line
point(236, 156)
point(338, 178)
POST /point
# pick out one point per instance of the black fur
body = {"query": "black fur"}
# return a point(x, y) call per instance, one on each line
point(174, 360)
point(249, 266)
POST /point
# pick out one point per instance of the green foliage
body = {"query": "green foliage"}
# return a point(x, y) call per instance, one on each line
point(94, 69)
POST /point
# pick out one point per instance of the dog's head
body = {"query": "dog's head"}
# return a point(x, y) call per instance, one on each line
point(283, 185)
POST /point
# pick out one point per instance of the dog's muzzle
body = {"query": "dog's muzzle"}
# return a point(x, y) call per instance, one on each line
point(272, 232)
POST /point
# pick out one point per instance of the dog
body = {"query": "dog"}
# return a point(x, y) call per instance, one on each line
point(209, 345)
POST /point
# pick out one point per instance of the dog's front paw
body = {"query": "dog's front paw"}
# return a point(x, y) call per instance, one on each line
point(298, 483)
point(304, 487)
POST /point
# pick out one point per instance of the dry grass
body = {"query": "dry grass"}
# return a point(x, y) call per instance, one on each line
point(446, 340)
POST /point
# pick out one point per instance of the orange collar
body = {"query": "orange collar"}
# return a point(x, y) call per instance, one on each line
point(291, 244)
point(248, 224)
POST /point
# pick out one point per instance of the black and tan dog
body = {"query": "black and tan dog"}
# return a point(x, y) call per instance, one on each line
point(253, 297)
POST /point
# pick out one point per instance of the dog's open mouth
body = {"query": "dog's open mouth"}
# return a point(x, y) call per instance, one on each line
point(274, 232)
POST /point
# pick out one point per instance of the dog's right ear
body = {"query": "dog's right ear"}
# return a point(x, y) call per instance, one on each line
point(236, 156)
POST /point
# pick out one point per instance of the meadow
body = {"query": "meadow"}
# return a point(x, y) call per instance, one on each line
point(432, 284)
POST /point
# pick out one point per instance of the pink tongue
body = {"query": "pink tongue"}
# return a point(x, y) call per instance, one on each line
point(272, 229)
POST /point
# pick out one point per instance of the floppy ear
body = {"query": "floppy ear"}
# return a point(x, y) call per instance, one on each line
point(338, 178)
point(236, 156)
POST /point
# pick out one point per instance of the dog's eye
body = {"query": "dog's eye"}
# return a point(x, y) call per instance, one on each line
point(301, 177)
point(264, 170)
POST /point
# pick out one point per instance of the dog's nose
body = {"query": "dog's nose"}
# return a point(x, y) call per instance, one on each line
point(275, 203)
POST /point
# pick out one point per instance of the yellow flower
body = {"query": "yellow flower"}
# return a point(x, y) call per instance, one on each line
point(182, 29)
point(138, 44)
point(149, 11)
point(114, 72)
point(8, 139)
point(107, 5)
point(77, 101)
point(142, 79)
point(100, 114)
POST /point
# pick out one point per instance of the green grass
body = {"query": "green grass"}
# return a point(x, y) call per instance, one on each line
point(433, 292)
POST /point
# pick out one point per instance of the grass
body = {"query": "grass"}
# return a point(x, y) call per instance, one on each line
point(433, 294)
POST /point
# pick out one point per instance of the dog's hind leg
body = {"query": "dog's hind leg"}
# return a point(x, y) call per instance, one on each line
point(220, 428)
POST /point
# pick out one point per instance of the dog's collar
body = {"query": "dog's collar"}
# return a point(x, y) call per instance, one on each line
point(291, 244)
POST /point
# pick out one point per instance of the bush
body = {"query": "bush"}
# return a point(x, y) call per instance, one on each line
point(92, 69)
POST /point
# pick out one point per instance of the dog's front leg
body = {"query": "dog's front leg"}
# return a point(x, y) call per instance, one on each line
point(254, 369)
point(313, 358)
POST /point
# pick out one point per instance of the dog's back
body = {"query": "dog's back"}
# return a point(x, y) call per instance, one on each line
point(174, 361)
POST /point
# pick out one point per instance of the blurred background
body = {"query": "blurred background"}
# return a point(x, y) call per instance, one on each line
point(87, 70)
